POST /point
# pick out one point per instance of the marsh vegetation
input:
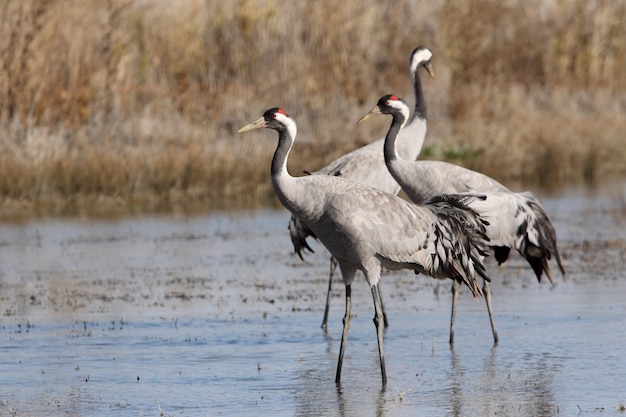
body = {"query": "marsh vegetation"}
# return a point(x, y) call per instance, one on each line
point(133, 105)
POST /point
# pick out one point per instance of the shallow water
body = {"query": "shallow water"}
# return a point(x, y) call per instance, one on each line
point(214, 315)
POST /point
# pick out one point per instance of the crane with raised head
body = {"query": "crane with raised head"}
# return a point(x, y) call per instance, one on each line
point(515, 220)
point(366, 229)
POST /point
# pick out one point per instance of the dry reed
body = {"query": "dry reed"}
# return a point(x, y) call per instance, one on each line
point(133, 105)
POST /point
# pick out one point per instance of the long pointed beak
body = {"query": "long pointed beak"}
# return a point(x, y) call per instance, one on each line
point(257, 124)
point(430, 70)
point(375, 110)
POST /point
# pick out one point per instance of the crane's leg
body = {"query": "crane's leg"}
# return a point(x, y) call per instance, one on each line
point(487, 294)
point(379, 331)
point(455, 294)
point(382, 306)
point(333, 266)
point(344, 337)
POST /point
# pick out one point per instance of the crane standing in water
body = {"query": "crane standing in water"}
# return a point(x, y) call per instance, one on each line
point(366, 229)
point(515, 220)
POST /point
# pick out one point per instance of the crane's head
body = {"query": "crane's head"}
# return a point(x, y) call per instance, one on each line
point(420, 57)
point(389, 104)
point(274, 118)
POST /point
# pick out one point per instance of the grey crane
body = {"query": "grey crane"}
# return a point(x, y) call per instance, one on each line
point(366, 229)
point(515, 220)
point(366, 165)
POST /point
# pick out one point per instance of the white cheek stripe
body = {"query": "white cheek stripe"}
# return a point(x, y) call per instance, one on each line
point(284, 119)
point(420, 56)
point(396, 104)
point(287, 121)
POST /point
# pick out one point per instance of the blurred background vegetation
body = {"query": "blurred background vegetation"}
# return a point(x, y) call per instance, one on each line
point(131, 106)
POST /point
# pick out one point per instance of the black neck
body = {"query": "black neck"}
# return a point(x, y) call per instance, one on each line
point(285, 141)
point(420, 102)
point(392, 135)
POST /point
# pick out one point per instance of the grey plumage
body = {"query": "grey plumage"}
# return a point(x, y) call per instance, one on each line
point(366, 229)
point(366, 165)
point(515, 220)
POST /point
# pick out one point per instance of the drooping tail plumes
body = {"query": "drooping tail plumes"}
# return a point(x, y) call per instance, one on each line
point(469, 243)
point(539, 242)
point(299, 231)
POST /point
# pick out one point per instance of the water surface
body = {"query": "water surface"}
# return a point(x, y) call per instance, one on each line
point(214, 315)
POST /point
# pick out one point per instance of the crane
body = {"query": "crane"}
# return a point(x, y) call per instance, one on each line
point(515, 220)
point(367, 229)
point(366, 165)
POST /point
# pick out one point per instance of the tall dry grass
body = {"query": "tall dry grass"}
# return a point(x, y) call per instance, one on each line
point(133, 105)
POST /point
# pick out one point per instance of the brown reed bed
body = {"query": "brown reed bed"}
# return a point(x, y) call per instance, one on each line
point(131, 106)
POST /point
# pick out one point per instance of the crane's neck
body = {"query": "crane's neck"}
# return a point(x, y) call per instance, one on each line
point(390, 148)
point(285, 142)
point(282, 181)
point(420, 102)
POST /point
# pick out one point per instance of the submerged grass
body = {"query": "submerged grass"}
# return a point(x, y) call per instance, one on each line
point(134, 105)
